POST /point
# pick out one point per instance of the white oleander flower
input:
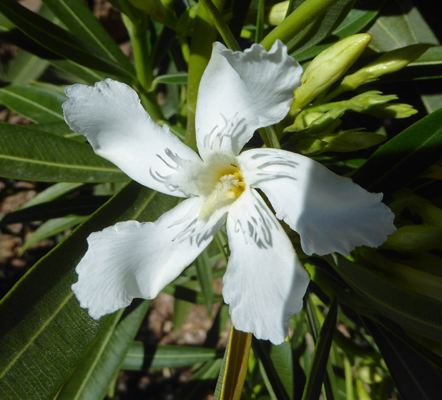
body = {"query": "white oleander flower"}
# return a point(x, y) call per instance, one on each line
point(265, 281)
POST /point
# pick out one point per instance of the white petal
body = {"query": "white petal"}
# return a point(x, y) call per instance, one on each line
point(330, 212)
point(119, 129)
point(132, 259)
point(240, 92)
point(265, 281)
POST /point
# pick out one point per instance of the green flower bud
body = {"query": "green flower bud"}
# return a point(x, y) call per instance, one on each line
point(391, 111)
point(305, 120)
point(369, 99)
point(352, 140)
point(327, 67)
point(429, 213)
point(414, 238)
point(314, 123)
point(277, 13)
point(386, 64)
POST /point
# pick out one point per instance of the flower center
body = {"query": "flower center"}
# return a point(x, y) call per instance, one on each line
point(229, 186)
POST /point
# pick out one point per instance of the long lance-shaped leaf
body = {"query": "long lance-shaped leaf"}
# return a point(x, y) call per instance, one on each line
point(411, 310)
point(263, 350)
point(404, 157)
point(80, 21)
point(414, 376)
point(321, 28)
point(60, 41)
point(36, 104)
point(84, 205)
point(204, 269)
point(234, 367)
point(355, 22)
point(94, 375)
point(141, 356)
point(30, 154)
point(315, 377)
point(51, 228)
point(44, 333)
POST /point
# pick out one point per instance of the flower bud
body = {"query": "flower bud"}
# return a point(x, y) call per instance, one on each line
point(327, 67)
point(391, 111)
point(429, 213)
point(414, 238)
point(277, 13)
point(389, 62)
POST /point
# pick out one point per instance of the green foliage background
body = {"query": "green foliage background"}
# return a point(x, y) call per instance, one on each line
point(371, 327)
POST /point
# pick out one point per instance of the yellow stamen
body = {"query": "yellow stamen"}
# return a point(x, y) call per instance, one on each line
point(227, 189)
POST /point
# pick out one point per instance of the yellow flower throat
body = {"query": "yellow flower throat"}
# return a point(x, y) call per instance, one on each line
point(228, 187)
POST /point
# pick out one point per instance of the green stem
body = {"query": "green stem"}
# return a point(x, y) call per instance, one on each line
point(221, 26)
point(272, 137)
point(142, 58)
point(306, 13)
point(204, 34)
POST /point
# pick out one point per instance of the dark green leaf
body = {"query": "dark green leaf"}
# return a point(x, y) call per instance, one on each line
point(36, 104)
point(404, 157)
point(49, 229)
point(94, 375)
point(25, 67)
point(51, 193)
point(321, 28)
point(141, 356)
point(414, 376)
point(318, 367)
point(357, 19)
point(41, 319)
point(30, 154)
point(400, 25)
point(173, 79)
point(204, 270)
point(59, 41)
point(80, 21)
point(262, 350)
point(84, 205)
point(411, 310)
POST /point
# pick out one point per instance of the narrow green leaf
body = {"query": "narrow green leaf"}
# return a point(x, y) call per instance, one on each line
point(41, 319)
point(414, 376)
point(399, 25)
point(60, 129)
point(93, 376)
point(141, 356)
point(51, 193)
point(263, 350)
point(25, 67)
point(179, 78)
point(30, 154)
point(404, 157)
point(411, 310)
point(356, 20)
point(77, 73)
point(282, 358)
point(320, 28)
point(80, 21)
point(51, 228)
point(190, 295)
point(60, 41)
point(204, 270)
point(84, 205)
point(201, 381)
point(315, 377)
point(35, 104)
